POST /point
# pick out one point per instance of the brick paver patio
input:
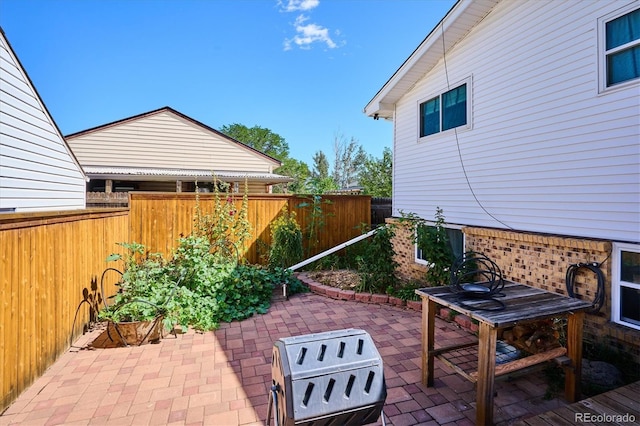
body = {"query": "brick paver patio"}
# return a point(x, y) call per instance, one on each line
point(222, 377)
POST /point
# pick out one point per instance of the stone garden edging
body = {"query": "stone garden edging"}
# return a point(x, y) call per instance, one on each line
point(382, 299)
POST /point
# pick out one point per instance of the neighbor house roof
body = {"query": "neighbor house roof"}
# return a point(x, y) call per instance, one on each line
point(166, 143)
point(173, 111)
point(456, 24)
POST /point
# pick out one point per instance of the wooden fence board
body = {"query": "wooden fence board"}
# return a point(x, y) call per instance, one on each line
point(4, 318)
point(47, 261)
point(158, 219)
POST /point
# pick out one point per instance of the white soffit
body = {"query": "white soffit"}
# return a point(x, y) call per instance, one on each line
point(460, 20)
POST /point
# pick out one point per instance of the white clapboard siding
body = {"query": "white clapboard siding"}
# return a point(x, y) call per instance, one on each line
point(546, 151)
point(166, 140)
point(37, 169)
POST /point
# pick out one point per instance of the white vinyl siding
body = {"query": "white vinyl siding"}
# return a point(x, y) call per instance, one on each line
point(165, 140)
point(547, 153)
point(37, 169)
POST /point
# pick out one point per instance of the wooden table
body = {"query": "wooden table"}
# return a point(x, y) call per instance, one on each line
point(522, 304)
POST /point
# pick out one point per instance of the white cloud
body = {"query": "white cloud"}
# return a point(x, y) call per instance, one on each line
point(307, 34)
point(296, 5)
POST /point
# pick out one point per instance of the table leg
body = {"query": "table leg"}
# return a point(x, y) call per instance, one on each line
point(487, 340)
point(428, 333)
point(573, 374)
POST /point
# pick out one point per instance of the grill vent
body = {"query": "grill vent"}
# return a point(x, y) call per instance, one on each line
point(342, 384)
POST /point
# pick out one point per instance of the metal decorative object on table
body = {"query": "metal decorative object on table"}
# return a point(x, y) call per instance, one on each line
point(475, 276)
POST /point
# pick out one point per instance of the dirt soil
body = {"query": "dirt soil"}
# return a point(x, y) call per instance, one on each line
point(343, 279)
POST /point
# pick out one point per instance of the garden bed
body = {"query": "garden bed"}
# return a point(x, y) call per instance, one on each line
point(344, 279)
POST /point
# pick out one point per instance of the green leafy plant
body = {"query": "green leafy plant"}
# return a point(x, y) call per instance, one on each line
point(286, 237)
point(145, 288)
point(435, 246)
point(216, 289)
point(227, 228)
point(330, 262)
point(203, 284)
point(377, 267)
point(405, 292)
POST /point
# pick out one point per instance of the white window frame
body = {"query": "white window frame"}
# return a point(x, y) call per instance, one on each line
point(469, 82)
point(602, 52)
point(425, 262)
point(616, 282)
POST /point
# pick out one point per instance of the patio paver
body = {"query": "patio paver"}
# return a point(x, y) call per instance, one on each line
point(222, 377)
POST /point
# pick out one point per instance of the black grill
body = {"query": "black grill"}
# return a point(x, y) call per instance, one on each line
point(332, 378)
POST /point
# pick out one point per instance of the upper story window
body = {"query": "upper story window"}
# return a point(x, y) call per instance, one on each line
point(445, 111)
point(625, 285)
point(620, 40)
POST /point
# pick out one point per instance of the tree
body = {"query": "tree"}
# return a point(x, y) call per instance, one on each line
point(260, 138)
point(321, 185)
point(349, 158)
point(375, 176)
point(320, 165)
point(296, 169)
point(274, 145)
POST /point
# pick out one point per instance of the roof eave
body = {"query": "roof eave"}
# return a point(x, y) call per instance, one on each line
point(137, 178)
point(163, 175)
point(455, 25)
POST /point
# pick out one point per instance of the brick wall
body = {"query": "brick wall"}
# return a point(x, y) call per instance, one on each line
point(540, 261)
point(405, 254)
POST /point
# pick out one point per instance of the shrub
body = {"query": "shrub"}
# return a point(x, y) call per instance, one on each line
point(286, 241)
point(228, 228)
point(377, 267)
point(145, 287)
point(435, 246)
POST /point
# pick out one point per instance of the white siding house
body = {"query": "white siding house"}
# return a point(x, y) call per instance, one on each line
point(546, 147)
point(521, 121)
point(37, 169)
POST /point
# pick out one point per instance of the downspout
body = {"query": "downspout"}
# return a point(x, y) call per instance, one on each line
point(332, 250)
point(326, 253)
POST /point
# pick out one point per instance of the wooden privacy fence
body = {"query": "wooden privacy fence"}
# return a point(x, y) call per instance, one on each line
point(159, 219)
point(50, 263)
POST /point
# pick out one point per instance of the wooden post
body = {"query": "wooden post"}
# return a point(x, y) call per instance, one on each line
point(108, 186)
point(428, 332)
point(178, 186)
point(573, 373)
point(487, 341)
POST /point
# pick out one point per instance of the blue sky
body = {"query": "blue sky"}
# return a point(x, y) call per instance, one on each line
point(303, 68)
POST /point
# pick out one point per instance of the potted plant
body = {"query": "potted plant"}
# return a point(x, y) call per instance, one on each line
point(136, 313)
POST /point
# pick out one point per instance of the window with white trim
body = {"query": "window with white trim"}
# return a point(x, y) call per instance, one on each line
point(448, 110)
point(619, 47)
point(625, 285)
point(456, 240)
